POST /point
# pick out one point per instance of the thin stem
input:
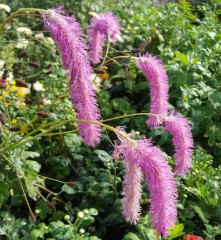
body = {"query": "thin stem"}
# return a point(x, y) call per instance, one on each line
point(106, 53)
point(26, 199)
point(15, 14)
point(54, 125)
point(52, 179)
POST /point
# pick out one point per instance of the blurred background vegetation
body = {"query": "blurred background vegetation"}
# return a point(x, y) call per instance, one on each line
point(187, 37)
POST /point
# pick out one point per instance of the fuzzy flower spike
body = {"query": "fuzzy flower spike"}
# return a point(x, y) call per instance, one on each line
point(159, 177)
point(180, 129)
point(157, 77)
point(66, 32)
point(102, 27)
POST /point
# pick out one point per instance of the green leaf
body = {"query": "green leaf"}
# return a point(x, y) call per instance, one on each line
point(93, 211)
point(68, 189)
point(60, 231)
point(44, 208)
point(182, 57)
point(132, 236)
point(176, 231)
point(32, 165)
point(103, 156)
point(201, 214)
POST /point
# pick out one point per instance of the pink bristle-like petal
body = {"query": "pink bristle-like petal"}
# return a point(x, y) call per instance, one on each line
point(101, 26)
point(157, 77)
point(159, 177)
point(132, 192)
point(182, 139)
point(66, 32)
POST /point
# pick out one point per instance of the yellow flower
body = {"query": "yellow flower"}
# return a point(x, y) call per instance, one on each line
point(14, 121)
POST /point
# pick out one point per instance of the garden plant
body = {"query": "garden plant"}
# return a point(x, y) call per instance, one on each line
point(97, 125)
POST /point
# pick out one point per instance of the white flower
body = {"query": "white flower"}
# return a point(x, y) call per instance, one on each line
point(38, 86)
point(40, 36)
point(47, 101)
point(2, 63)
point(49, 40)
point(5, 8)
point(22, 43)
point(24, 30)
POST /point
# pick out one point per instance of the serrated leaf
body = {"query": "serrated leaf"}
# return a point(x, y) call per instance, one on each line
point(68, 189)
point(103, 156)
point(182, 57)
point(44, 208)
point(201, 214)
point(176, 231)
point(32, 165)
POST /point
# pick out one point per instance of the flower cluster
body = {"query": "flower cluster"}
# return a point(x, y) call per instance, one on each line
point(142, 155)
point(175, 123)
point(102, 27)
point(66, 32)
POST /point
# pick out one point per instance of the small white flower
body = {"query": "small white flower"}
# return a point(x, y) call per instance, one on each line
point(49, 40)
point(22, 43)
point(2, 63)
point(38, 86)
point(40, 36)
point(24, 30)
point(47, 101)
point(5, 8)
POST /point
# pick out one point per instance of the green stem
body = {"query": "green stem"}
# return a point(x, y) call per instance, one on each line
point(26, 199)
point(54, 125)
point(13, 15)
point(106, 53)
point(44, 177)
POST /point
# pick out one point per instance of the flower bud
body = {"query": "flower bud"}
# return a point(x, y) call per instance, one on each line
point(72, 184)
point(14, 129)
point(80, 214)
point(81, 231)
point(33, 217)
point(3, 119)
point(67, 217)
point(20, 83)
point(34, 64)
point(43, 114)
point(23, 55)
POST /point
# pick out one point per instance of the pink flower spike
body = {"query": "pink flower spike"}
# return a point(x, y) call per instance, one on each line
point(157, 76)
point(132, 192)
point(102, 26)
point(182, 138)
point(66, 32)
point(159, 178)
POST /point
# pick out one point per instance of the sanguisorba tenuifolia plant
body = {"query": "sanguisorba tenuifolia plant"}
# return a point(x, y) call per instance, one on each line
point(140, 157)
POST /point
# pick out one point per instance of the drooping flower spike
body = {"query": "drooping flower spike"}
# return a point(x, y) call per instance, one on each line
point(159, 178)
point(157, 77)
point(182, 138)
point(66, 32)
point(102, 27)
point(132, 192)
